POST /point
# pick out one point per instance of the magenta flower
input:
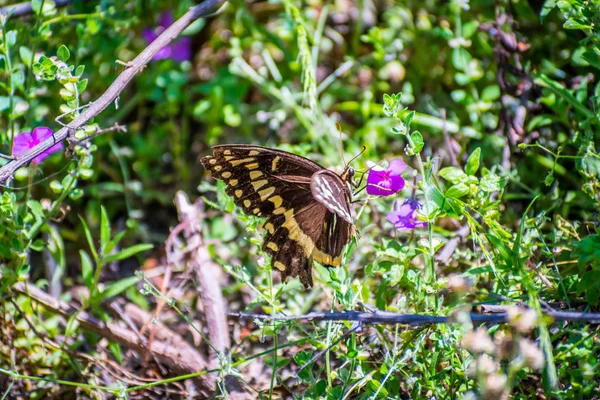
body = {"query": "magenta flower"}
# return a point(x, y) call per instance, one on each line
point(178, 50)
point(25, 141)
point(404, 217)
point(385, 182)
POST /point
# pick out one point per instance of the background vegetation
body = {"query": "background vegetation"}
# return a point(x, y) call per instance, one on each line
point(503, 143)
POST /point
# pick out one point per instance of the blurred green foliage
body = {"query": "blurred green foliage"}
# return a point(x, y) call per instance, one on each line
point(497, 117)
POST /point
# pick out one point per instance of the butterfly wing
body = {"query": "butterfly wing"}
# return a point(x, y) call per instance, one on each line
point(337, 229)
point(277, 185)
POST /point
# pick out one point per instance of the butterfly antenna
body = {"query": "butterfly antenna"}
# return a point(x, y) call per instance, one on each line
point(356, 156)
point(341, 143)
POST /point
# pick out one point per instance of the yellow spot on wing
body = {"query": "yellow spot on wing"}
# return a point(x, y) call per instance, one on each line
point(227, 158)
point(254, 153)
point(274, 163)
point(326, 259)
point(296, 233)
point(258, 184)
point(227, 152)
point(256, 211)
point(279, 210)
point(273, 246)
point(276, 200)
point(252, 166)
point(212, 161)
point(255, 174)
point(226, 175)
point(269, 227)
point(218, 168)
point(238, 193)
point(247, 203)
point(279, 265)
point(241, 161)
point(233, 182)
point(265, 193)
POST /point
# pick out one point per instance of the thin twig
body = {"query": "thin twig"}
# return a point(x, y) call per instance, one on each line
point(390, 318)
point(25, 8)
point(95, 108)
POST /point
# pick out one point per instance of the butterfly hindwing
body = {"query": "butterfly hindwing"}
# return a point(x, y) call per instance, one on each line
point(305, 204)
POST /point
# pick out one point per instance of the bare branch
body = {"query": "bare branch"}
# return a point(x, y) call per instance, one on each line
point(389, 318)
point(175, 353)
point(25, 8)
point(95, 108)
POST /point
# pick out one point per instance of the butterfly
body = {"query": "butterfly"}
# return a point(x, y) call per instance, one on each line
point(306, 206)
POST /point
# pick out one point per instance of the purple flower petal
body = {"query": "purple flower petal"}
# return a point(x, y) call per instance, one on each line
point(385, 182)
point(25, 141)
point(396, 183)
point(166, 19)
point(396, 167)
point(181, 50)
point(378, 183)
point(178, 50)
point(21, 143)
point(41, 133)
point(149, 35)
point(404, 218)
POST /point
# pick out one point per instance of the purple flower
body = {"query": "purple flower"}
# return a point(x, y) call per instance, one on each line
point(25, 141)
point(404, 217)
point(385, 182)
point(178, 50)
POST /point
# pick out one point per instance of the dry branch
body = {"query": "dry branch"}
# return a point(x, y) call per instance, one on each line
point(95, 108)
point(25, 8)
point(389, 318)
point(178, 355)
point(200, 262)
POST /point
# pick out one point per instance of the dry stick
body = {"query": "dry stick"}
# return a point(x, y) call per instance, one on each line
point(389, 318)
point(200, 262)
point(135, 66)
point(21, 9)
point(182, 359)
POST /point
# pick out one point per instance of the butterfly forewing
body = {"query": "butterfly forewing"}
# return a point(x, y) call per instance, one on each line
point(306, 206)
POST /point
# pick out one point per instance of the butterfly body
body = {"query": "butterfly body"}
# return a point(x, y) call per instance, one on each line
point(307, 206)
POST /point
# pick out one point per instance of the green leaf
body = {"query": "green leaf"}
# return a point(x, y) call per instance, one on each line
point(473, 162)
point(36, 208)
point(503, 250)
point(114, 242)
point(87, 269)
point(11, 38)
point(588, 251)
point(417, 140)
point(115, 349)
point(63, 53)
point(560, 90)
point(4, 103)
point(492, 183)
point(26, 55)
point(82, 85)
point(38, 245)
point(90, 239)
point(104, 230)
point(457, 191)
point(490, 93)
point(115, 288)
point(575, 24)
point(128, 252)
point(453, 174)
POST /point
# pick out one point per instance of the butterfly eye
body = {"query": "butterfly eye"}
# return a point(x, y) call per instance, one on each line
point(351, 173)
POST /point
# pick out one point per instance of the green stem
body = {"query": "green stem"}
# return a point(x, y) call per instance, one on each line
point(9, 68)
point(430, 259)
